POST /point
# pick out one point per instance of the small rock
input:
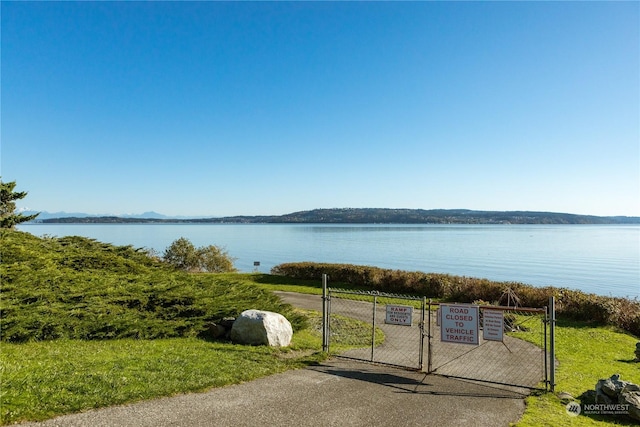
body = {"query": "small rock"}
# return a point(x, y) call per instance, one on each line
point(565, 397)
point(614, 390)
point(215, 331)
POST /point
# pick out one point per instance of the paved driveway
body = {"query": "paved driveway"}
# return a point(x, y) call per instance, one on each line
point(336, 393)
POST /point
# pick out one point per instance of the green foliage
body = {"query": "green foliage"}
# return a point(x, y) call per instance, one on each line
point(183, 255)
point(620, 312)
point(215, 260)
point(8, 217)
point(74, 287)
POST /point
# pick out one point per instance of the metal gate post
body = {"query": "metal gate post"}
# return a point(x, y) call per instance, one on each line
point(429, 347)
point(373, 326)
point(325, 315)
point(421, 355)
point(328, 321)
point(545, 323)
point(552, 343)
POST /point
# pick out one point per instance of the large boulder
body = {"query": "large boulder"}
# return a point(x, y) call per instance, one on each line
point(630, 395)
point(257, 327)
point(614, 390)
point(611, 388)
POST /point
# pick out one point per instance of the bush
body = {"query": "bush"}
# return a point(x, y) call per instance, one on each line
point(184, 256)
point(215, 260)
point(620, 312)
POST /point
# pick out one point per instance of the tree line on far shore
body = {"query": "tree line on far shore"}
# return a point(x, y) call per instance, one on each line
point(9, 218)
point(373, 216)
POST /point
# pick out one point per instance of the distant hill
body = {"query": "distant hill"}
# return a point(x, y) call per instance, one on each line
point(370, 216)
point(78, 215)
point(54, 215)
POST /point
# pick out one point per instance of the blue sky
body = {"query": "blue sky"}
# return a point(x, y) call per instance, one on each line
point(211, 109)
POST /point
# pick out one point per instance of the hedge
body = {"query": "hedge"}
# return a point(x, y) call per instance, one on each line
point(620, 312)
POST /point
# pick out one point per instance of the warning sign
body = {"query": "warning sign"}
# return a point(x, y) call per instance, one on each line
point(492, 325)
point(399, 315)
point(459, 324)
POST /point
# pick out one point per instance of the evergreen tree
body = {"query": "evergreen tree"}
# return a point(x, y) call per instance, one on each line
point(8, 217)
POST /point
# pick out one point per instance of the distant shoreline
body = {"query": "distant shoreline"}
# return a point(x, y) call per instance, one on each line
point(368, 216)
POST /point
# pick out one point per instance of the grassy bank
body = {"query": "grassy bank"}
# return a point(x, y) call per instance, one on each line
point(77, 288)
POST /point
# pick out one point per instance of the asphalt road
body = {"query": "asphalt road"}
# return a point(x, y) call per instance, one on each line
point(335, 393)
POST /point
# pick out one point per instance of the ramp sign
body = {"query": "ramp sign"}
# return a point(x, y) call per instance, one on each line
point(459, 324)
point(399, 315)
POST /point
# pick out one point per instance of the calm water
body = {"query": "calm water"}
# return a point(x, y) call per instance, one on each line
point(594, 258)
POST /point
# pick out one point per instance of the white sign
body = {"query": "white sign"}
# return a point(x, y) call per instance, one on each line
point(399, 315)
point(492, 325)
point(459, 324)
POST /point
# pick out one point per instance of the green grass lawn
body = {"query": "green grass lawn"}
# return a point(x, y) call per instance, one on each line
point(585, 354)
point(44, 379)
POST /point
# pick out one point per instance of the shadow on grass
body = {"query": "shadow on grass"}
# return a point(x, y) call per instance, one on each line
point(619, 420)
point(271, 279)
point(566, 322)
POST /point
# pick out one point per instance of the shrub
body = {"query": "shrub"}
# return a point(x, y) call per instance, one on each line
point(183, 255)
point(78, 288)
point(620, 312)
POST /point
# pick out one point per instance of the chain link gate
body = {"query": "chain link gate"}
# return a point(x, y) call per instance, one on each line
point(389, 328)
point(519, 358)
point(392, 331)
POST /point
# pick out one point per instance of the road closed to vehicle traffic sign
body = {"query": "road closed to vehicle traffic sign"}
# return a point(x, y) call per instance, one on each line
point(459, 324)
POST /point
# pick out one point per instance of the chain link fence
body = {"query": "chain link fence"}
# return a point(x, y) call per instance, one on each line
point(514, 356)
point(394, 324)
point(405, 331)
